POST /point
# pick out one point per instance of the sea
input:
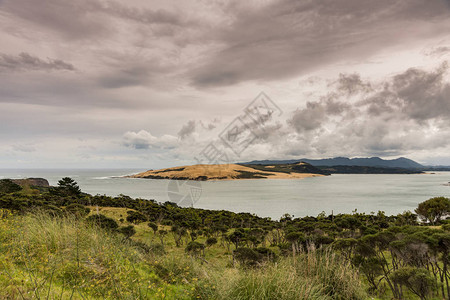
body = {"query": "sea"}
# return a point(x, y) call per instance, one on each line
point(338, 193)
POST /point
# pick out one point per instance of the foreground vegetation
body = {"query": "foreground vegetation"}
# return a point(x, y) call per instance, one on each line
point(60, 243)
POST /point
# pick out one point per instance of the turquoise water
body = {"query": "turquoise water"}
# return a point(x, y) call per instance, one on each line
point(268, 198)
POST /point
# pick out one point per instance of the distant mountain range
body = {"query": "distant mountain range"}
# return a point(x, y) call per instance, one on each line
point(402, 162)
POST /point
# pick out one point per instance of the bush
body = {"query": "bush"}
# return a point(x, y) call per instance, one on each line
point(102, 221)
point(195, 248)
point(127, 231)
point(136, 217)
point(267, 253)
point(247, 257)
point(211, 241)
point(7, 186)
point(77, 210)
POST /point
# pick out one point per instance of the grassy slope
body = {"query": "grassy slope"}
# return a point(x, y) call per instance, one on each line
point(232, 171)
point(63, 258)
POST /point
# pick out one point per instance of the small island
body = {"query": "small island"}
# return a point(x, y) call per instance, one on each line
point(297, 170)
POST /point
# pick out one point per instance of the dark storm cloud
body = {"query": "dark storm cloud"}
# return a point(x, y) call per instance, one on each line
point(27, 62)
point(292, 37)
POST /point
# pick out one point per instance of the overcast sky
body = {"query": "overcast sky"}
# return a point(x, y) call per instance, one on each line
point(150, 83)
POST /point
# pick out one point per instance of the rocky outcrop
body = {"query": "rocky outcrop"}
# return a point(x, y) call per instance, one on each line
point(41, 182)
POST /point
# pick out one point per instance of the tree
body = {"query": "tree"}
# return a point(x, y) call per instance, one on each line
point(237, 236)
point(417, 280)
point(162, 234)
point(153, 226)
point(195, 248)
point(433, 209)
point(66, 187)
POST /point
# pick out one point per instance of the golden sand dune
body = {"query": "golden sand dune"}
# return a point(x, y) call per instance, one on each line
point(218, 172)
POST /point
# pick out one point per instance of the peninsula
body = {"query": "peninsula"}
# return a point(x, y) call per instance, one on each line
point(234, 171)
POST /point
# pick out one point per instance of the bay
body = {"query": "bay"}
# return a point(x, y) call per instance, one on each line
point(337, 193)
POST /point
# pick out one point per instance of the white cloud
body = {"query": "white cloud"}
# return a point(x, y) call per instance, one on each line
point(145, 140)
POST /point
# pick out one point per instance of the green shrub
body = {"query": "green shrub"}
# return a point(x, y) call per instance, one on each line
point(136, 217)
point(78, 210)
point(7, 186)
point(247, 257)
point(127, 231)
point(102, 221)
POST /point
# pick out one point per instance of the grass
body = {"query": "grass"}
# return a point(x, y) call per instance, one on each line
point(62, 258)
point(311, 275)
point(43, 257)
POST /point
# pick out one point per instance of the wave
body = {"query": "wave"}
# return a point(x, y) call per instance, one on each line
point(111, 177)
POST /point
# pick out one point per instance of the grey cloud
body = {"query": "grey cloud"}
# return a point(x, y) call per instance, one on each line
point(27, 62)
point(145, 16)
point(208, 126)
point(438, 51)
point(316, 113)
point(187, 129)
point(425, 95)
point(407, 112)
point(415, 94)
point(352, 83)
point(309, 118)
point(126, 71)
point(292, 37)
point(24, 148)
point(74, 19)
point(132, 76)
point(79, 19)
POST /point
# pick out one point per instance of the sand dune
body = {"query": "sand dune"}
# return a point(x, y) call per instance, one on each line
point(218, 172)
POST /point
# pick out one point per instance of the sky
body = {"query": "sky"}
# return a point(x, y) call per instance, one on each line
point(151, 84)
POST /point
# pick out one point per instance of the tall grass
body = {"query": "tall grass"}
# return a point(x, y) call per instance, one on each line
point(311, 275)
point(64, 258)
point(44, 257)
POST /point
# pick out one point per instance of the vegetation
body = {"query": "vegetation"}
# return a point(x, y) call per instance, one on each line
point(297, 167)
point(8, 186)
point(367, 170)
point(65, 244)
point(434, 209)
